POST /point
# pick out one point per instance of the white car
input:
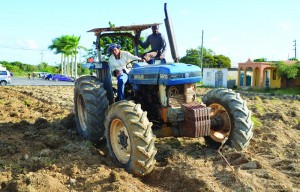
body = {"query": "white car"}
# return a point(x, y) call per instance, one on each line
point(5, 77)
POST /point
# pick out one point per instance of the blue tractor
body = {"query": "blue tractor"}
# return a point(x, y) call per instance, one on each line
point(161, 102)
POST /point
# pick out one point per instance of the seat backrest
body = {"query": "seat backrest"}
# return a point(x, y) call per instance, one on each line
point(156, 60)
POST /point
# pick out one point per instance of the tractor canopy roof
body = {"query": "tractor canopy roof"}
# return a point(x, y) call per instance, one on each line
point(134, 28)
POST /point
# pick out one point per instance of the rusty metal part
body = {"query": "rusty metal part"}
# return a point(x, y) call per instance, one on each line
point(221, 123)
point(166, 131)
point(176, 98)
point(164, 113)
point(123, 28)
point(197, 120)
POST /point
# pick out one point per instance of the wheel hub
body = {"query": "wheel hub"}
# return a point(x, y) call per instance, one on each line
point(120, 140)
point(221, 124)
point(123, 140)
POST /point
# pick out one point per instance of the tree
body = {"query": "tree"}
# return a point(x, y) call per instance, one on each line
point(21, 69)
point(68, 46)
point(260, 60)
point(73, 47)
point(293, 59)
point(288, 71)
point(192, 57)
point(44, 67)
point(58, 47)
point(126, 44)
point(210, 59)
point(222, 61)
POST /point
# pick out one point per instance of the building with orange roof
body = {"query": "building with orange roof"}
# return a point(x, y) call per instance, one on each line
point(263, 75)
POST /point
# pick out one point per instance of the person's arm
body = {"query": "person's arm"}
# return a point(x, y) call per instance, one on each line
point(145, 44)
point(129, 57)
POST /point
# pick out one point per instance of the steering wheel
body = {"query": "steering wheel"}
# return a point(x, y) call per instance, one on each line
point(129, 64)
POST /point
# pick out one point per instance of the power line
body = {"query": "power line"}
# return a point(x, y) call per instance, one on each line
point(42, 56)
point(201, 56)
point(27, 49)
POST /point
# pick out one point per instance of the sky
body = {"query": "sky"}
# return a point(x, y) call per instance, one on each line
point(238, 29)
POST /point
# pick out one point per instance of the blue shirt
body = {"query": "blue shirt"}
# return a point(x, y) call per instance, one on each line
point(157, 42)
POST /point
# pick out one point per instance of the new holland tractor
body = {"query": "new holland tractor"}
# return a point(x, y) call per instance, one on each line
point(161, 103)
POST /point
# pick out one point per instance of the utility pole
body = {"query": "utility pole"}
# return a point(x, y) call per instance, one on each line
point(295, 49)
point(42, 55)
point(201, 55)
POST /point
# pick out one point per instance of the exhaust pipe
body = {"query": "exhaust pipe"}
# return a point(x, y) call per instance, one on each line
point(171, 36)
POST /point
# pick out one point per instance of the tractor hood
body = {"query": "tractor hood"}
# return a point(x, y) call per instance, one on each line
point(165, 74)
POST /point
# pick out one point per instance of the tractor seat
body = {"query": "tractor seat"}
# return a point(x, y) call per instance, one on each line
point(157, 60)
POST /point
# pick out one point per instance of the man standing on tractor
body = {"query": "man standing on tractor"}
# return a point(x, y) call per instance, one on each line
point(117, 62)
point(157, 42)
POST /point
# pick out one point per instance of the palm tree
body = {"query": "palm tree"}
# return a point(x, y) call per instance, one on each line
point(74, 47)
point(68, 46)
point(57, 46)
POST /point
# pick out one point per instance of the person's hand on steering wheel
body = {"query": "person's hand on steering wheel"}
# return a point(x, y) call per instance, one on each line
point(129, 65)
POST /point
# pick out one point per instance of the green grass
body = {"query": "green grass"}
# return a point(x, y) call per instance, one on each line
point(27, 103)
point(256, 122)
point(281, 91)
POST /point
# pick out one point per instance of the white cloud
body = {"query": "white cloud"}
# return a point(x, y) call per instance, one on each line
point(184, 12)
point(28, 44)
point(32, 44)
point(284, 25)
point(221, 50)
point(215, 39)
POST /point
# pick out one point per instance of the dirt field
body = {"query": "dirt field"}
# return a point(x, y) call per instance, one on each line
point(41, 151)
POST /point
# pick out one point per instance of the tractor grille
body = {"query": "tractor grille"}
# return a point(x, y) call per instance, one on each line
point(197, 120)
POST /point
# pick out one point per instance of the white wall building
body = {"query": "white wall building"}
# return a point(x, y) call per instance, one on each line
point(220, 77)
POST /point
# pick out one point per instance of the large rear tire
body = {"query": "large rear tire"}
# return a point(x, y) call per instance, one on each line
point(233, 117)
point(129, 136)
point(90, 106)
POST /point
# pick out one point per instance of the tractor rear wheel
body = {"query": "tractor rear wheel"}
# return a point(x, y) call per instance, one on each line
point(232, 117)
point(90, 106)
point(129, 136)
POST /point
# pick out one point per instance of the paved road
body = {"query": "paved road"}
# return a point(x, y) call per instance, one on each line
point(16, 81)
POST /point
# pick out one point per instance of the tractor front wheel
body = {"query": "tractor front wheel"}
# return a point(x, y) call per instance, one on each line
point(230, 118)
point(129, 136)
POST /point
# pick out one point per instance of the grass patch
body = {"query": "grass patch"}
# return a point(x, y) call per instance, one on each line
point(256, 122)
point(281, 91)
point(114, 176)
point(260, 109)
point(88, 145)
point(174, 143)
point(27, 103)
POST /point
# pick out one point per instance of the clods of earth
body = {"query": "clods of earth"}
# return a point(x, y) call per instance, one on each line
point(40, 150)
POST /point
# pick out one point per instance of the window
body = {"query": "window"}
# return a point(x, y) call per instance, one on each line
point(3, 73)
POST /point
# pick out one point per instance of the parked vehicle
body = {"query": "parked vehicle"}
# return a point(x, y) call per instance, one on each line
point(5, 77)
point(58, 77)
point(48, 77)
point(160, 102)
point(41, 74)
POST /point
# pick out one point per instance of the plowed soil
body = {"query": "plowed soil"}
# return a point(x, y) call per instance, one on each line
point(40, 150)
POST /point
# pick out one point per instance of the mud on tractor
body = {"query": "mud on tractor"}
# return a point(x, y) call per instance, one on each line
point(161, 103)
